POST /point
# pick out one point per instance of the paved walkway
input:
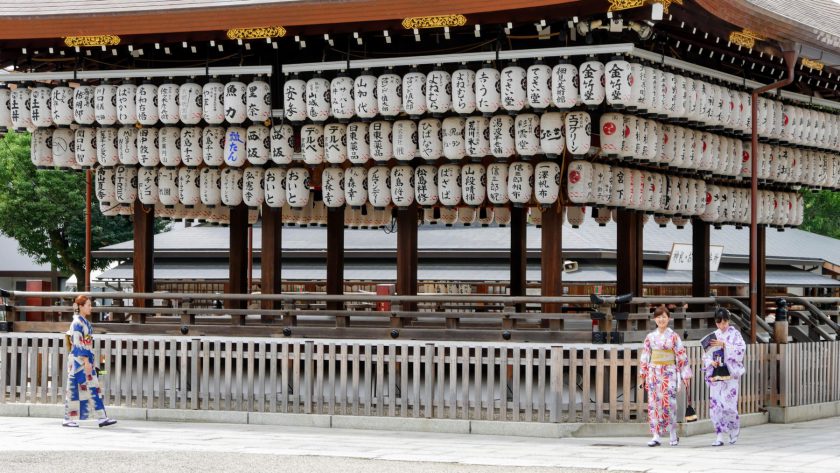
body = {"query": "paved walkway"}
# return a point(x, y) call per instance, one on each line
point(38, 444)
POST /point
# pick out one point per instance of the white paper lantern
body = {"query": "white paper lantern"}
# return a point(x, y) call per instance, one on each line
point(274, 184)
point(485, 216)
point(148, 154)
point(463, 91)
point(41, 152)
point(210, 187)
point(213, 145)
point(282, 144)
point(618, 77)
point(235, 146)
point(40, 106)
point(147, 186)
point(497, 190)
point(539, 86)
point(467, 216)
point(127, 145)
point(169, 138)
point(501, 215)
point(189, 186)
point(63, 148)
point(414, 93)
point(104, 186)
point(381, 141)
point(358, 143)
point(405, 139)
point(85, 147)
point(402, 186)
point(565, 82)
point(473, 184)
point(191, 146)
point(5, 110)
point(83, 109)
point(514, 88)
point(527, 132)
point(106, 147)
point(389, 88)
point(592, 90)
point(602, 215)
point(258, 101)
point(552, 134)
point(190, 103)
point(502, 144)
point(454, 146)
point(547, 182)
point(366, 97)
point(520, 182)
point(426, 185)
point(619, 197)
point(439, 92)
point(488, 90)
point(355, 186)
point(335, 143)
point(630, 144)
point(575, 216)
point(61, 99)
point(235, 102)
point(579, 181)
point(253, 193)
point(342, 105)
point(258, 144)
point(612, 133)
point(379, 187)
point(477, 137)
point(601, 184)
point(146, 103)
point(430, 139)
point(20, 106)
point(637, 87)
point(169, 107)
point(294, 100)
point(332, 186)
point(449, 185)
point(578, 133)
point(231, 187)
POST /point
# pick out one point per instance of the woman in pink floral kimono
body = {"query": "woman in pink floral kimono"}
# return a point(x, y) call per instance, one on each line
point(663, 362)
point(723, 405)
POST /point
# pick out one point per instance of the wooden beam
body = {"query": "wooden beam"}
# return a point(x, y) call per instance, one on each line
point(238, 254)
point(629, 255)
point(700, 277)
point(407, 254)
point(144, 255)
point(271, 256)
point(335, 260)
point(518, 255)
point(551, 262)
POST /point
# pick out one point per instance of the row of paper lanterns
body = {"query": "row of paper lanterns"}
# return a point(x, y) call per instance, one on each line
point(129, 104)
point(619, 83)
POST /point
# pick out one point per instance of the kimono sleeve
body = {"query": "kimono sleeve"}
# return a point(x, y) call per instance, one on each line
point(681, 355)
point(708, 359)
point(644, 359)
point(734, 352)
point(77, 334)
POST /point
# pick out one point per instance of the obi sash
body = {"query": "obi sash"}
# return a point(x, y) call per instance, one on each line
point(663, 357)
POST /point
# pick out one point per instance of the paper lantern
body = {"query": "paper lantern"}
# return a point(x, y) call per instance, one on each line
point(294, 100)
point(477, 137)
point(463, 91)
point(502, 144)
point(5, 110)
point(85, 147)
point(169, 107)
point(619, 197)
point(547, 182)
point(497, 185)
point(601, 184)
point(312, 144)
point(41, 152)
point(448, 216)
point(342, 105)
point(235, 102)
point(578, 133)
point(449, 185)
point(253, 193)
point(83, 109)
point(190, 103)
point(414, 93)
point(652, 141)
point(592, 91)
point(602, 215)
point(650, 89)
point(692, 101)
point(454, 147)
point(514, 88)
point(63, 148)
point(358, 143)
point(618, 82)
point(575, 216)
point(282, 142)
point(104, 187)
point(426, 185)
point(235, 147)
point(231, 187)
point(169, 138)
point(381, 141)
point(430, 139)
point(61, 99)
point(655, 192)
point(612, 134)
point(527, 134)
point(402, 186)
point(40, 106)
point(335, 143)
point(127, 145)
point(520, 182)
point(191, 150)
point(379, 187)
point(20, 106)
point(439, 92)
point(274, 187)
point(637, 87)
point(552, 134)
point(258, 100)
point(355, 186)
point(332, 186)
point(147, 186)
point(258, 144)
point(389, 88)
point(473, 184)
point(488, 88)
point(366, 98)
point(538, 79)
point(485, 216)
point(189, 186)
point(565, 81)
point(210, 187)
point(467, 215)
point(405, 139)
point(501, 215)
point(213, 145)
point(630, 139)
point(106, 147)
point(146, 103)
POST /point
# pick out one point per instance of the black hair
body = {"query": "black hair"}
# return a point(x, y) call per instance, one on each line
point(721, 314)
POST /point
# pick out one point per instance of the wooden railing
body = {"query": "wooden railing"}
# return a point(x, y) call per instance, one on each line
point(445, 380)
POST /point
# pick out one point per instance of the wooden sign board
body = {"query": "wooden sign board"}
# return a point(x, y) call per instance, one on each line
point(682, 256)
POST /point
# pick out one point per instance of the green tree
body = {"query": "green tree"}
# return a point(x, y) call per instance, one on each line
point(822, 213)
point(44, 210)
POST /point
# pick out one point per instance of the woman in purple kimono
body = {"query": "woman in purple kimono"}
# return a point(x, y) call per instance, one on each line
point(727, 350)
point(663, 362)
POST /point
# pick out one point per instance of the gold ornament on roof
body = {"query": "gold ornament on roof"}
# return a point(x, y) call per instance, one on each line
point(616, 5)
point(91, 41)
point(256, 33)
point(813, 64)
point(440, 21)
point(745, 38)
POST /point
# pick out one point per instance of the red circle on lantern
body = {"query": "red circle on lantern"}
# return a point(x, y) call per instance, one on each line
point(746, 156)
point(708, 198)
point(574, 177)
point(609, 128)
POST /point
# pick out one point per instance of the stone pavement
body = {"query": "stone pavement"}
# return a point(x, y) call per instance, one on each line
point(41, 444)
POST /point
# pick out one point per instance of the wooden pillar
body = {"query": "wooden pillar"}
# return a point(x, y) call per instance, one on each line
point(629, 255)
point(335, 260)
point(518, 255)
point(762, 271)
point(700, 275)
point(407, 255)
point(144, 255)
point(551, 262)
point(238, 268)
point(270, 257)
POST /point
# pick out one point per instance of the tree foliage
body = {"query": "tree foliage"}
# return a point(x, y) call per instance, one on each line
point(822, 213)
point(44, 210)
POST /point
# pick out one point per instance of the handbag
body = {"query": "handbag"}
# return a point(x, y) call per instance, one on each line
point(690, 413)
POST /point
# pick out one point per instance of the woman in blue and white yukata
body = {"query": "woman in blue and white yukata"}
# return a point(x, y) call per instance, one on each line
point(83, 399)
